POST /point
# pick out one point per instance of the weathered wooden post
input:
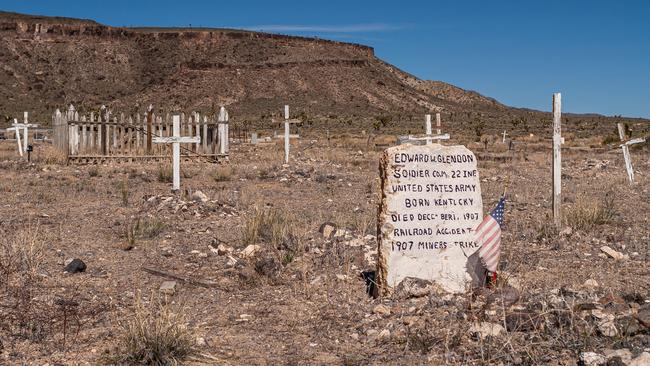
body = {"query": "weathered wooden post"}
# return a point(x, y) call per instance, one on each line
point(223, 131)
point(149, 129)
point(286, 134)
point(428, 127)
point(626, 153)
point(557, 159)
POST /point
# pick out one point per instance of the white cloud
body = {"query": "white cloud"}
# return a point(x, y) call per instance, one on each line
point(344, 28)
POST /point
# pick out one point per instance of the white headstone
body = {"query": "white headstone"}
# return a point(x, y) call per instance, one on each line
point(431, 203)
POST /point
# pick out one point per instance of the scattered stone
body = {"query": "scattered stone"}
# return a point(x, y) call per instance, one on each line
point(486, 329)
point(268, 266)
point(328, 230)
point(75, 266)
point(223, 249)
point(642, 360)
point(200, 341)
point(623, 354)
point(505, 296)
point(341, 277)
point(590, 284)
point(371, 332)
point(381, 309)
point(250, 250)
point(591, 359)
point(384, 334)
point(168, 287)
point(412, 287)
point(607, 328)
point(354, 336)
point(199, 196)
point(567, 231)
point(231, 261)
point(613, 253)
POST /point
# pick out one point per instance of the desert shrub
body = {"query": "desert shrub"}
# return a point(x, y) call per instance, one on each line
point(165, 173)
point(222, 174)
point(590, 213)
point(123, 186)
point(147, 228)
point(93, 171)
point(610, 139)
point(155, 335)
point(273, 227)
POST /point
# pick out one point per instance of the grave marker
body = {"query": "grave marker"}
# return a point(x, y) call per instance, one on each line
point(176, 140)
point(16, 127)
point(625, 146)
point(287, 134)
point(223, 131)
point(557, 159)
point(431, 203)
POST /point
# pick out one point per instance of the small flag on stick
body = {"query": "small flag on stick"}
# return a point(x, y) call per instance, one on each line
point(488, 237)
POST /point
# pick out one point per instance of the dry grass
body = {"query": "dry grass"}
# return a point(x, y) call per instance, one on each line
point(275, 228)
point(49, 155)
point(222, 174)
point(588, 214)
point(155, 335)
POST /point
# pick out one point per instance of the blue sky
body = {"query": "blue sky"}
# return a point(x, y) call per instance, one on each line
point(597, 53)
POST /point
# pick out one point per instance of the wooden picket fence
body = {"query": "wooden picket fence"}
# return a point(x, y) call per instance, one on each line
point(102, 137)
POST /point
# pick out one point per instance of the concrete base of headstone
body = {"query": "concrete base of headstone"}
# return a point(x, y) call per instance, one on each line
point(431, 203)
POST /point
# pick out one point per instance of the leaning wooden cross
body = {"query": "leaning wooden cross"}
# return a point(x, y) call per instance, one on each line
point(22, 145)
point(176, 140)
point(625, 146)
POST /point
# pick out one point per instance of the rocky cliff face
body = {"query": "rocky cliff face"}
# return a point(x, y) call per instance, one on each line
point(51, 62)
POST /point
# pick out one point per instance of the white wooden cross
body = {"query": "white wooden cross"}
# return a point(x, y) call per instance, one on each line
point(22, 145)
point(504, 136)
point(223, 131)
point(287, 131)
point(428, 136)
point(176, 140)
point(625, 146)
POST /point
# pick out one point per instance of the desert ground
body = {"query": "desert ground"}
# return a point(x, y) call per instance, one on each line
point(257, 283)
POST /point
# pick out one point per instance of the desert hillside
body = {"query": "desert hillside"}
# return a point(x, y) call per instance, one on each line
point(50, 62)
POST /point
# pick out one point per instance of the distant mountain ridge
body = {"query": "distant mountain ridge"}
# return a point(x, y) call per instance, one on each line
point(50, 62)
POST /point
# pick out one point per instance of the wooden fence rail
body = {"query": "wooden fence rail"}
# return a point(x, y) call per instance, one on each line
point(107, 136)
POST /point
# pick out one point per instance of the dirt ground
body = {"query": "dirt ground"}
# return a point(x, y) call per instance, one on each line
point(300, 298)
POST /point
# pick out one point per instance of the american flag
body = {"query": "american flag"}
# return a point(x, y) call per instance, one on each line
point(488, 236)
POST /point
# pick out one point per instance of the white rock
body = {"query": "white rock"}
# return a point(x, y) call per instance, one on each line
point(590, 284)
point(250, 250)
point(641, 360)
point(613, 253)
point(168, 287)
point(384, 333)
point(231, 261)
point(199, 196)
point(485, 329)
point(381, 309)
point(607, 328)
point(592, 359)
point(200, 341)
